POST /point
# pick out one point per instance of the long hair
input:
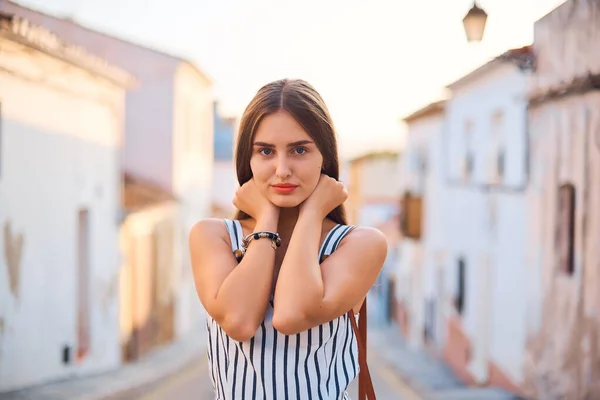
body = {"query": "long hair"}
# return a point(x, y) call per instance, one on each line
point(299, 99)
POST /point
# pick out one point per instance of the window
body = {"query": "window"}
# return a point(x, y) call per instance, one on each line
point(429, 325)
point(419, 168)
point(66, 355)
point(468, 160)
point(497, 148)
point(83, 283)
point(422, 162)
point(461, 286)
point(500, 162)
point(469, 164)
point(566, 228)
point(497, 124)
point(411, 216)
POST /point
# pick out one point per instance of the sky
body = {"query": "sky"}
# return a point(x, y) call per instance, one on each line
point(373, 62)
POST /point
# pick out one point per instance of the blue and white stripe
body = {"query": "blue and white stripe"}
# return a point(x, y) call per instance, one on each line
point(317, 364)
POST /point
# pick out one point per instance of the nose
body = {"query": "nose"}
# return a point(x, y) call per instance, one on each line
point(283, 170)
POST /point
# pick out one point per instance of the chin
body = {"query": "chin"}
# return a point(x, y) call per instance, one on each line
point(287, 201)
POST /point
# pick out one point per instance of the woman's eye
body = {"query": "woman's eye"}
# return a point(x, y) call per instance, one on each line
point(266, 152)
point(300, 150)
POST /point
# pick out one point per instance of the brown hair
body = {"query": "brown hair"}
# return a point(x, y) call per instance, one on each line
point(306, 106)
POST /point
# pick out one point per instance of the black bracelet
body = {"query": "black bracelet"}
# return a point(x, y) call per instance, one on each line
point(274, 237)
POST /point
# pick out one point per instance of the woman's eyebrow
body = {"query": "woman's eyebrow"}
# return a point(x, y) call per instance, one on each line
point(294, 144)
point(300, 143)
point(263, 144)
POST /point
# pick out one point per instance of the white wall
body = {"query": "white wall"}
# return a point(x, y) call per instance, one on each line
point(562, 309)
point(419, 152)
point(421, 174)
point(192, 171)
point(193, 137)
point(60, 139)
point(374, 189)
point(377, 174)
point(149, 112)
point(149, 127)
point(169, 131)
point(486, 225)
point(500, 90)
point(224, 184)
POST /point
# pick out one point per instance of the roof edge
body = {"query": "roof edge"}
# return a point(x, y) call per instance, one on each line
point(523, 58)
point(174, 57)
point(431, 109)
point(21, 30)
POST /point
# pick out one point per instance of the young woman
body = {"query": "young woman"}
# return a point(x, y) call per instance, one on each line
point(278, 302)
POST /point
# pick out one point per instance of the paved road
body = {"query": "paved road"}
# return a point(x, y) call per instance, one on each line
point(193, 383)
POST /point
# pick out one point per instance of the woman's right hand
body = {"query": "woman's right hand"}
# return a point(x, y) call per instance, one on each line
point(249, 200)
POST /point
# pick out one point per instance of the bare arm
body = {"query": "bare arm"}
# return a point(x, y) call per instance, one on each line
point(308, 294)
point(235, 295)
point(299, 283)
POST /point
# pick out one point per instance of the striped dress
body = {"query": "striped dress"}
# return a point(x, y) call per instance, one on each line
point(317, 364)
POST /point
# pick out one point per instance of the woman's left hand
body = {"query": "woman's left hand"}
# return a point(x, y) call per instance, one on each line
point(328, 194)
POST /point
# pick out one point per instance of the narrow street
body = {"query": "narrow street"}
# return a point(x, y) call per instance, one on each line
point(193, 383)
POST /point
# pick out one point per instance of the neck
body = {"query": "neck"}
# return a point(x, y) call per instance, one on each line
point(287, 221)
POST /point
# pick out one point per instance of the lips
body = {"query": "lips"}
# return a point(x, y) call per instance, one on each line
point(284, 188)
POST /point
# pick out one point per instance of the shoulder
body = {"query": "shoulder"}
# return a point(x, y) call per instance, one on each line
point(208, 228)
point(367, 238)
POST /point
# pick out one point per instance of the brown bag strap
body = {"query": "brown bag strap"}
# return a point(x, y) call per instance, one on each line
point(365, 384)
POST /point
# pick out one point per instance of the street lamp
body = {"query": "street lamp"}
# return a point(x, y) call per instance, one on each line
point(474, 23)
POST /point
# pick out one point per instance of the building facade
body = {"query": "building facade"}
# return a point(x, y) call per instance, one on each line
point(373, 200)
point(61, 130)
point(168, 138)
point(372, 191)
point(462, 277)
point(486, 159)
point(147, 284)
point(418, 307)
point(225, 181)
point(563, 340)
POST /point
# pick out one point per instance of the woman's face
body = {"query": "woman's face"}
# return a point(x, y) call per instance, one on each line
point(286, 163)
